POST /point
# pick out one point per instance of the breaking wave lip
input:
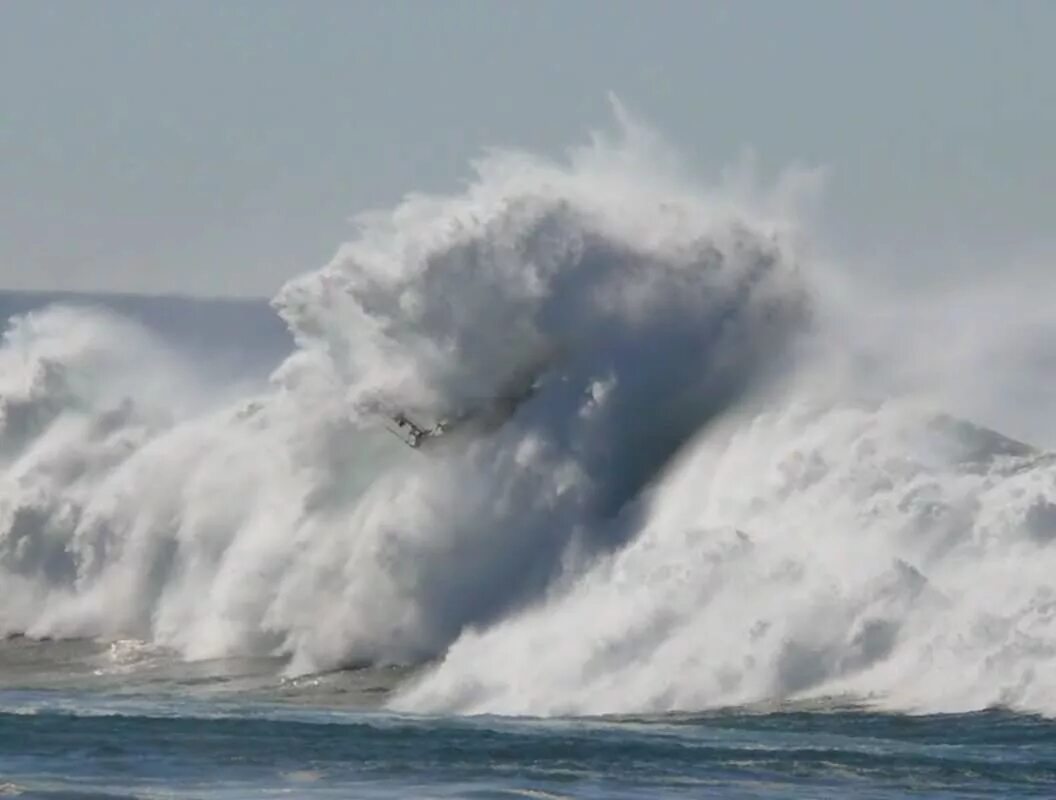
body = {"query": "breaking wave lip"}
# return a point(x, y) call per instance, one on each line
point(687, 512)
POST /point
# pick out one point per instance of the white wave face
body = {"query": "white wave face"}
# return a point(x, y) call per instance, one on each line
point(288, 524)
point(878, 553)
point(689, 510)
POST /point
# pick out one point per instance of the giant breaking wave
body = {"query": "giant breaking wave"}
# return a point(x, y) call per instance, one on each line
point(679, 517)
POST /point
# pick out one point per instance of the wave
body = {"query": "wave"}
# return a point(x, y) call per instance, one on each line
point(677, 517)
point(883, 554)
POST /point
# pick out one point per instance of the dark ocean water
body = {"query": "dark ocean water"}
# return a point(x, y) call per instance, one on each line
point(81, 720)
point(81, 746)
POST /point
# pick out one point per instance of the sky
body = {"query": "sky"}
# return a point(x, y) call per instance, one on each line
point(220, 148)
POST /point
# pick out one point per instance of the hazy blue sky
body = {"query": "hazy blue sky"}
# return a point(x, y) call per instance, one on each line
point(220, 147)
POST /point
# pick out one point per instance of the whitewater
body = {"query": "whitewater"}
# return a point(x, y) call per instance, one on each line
point(741, 482)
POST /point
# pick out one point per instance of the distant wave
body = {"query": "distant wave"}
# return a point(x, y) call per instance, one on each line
point(684, 513)
point(224, 336)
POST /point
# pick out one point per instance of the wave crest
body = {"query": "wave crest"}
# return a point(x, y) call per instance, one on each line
point(289, 524)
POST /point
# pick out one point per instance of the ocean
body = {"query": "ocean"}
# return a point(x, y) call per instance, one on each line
point(119, 722)
point(683, 519)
